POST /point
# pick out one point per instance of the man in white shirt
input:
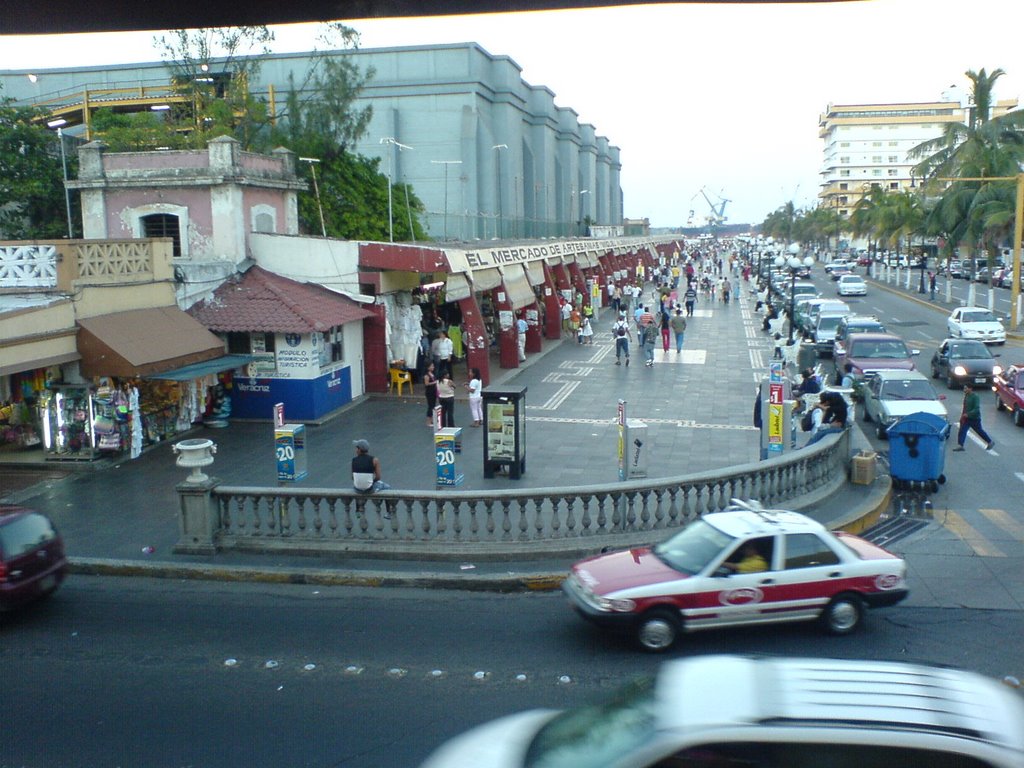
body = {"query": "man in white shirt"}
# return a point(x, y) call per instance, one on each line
point(445, 350)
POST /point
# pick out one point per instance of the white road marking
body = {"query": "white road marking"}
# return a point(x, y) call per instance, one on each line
point(1019, 476)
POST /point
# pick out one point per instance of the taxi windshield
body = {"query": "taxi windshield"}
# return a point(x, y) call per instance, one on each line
point(983, 316)
point(600, 734)
point(690, 550)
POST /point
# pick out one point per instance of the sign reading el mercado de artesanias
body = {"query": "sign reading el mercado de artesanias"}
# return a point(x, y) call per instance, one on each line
point(463, 261)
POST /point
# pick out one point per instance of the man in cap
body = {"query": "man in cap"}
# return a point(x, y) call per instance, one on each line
point(366, 470)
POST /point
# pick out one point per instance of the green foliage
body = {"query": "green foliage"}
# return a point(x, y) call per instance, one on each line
point(137, 131)
point(32, 202)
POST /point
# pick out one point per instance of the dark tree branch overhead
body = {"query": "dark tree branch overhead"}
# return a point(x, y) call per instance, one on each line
point(23, 17)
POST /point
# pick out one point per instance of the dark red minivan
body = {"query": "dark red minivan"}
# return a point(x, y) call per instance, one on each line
point(32, 562)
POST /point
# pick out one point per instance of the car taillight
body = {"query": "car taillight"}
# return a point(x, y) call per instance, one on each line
point(3, 571)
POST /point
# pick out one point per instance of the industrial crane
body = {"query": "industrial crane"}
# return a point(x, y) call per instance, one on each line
point(717, 215)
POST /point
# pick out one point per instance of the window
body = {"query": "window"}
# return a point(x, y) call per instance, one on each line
point(844, 144)
point(332, 349)
point(163, 225)
point(876, 143)
point(876, 158)
point(842, 200)
point(843, 187)
point(894, 158)
point(893, 172)
point(245, 343)
point(844, 159)
point(807, 550)
point(845, 173)
point(894, 185)
point(876, 172)
point(263, 218)
point(894, 143)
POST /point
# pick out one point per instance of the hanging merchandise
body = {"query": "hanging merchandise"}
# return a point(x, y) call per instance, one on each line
point(136, 422)
point(67, 422)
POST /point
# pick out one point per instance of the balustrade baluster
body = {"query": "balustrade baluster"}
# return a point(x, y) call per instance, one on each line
point(556, 524)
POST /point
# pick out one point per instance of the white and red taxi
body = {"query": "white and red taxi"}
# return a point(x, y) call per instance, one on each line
point(695, 579)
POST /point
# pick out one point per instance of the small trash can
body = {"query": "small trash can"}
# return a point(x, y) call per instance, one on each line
point(917, 450)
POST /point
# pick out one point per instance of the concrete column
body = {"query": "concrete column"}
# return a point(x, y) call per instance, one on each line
point(198, 518)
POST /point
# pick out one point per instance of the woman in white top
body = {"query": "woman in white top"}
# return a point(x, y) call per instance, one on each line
point(476, 401)
point(586, 331)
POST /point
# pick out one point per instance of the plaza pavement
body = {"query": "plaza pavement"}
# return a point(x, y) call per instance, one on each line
point(123, 517)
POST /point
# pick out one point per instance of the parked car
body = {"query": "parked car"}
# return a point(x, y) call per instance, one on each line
point(1003, 277)
point(824, 333)
point(870, 352)
point(975, 323)
point(696, 579)
point(982, 275)
point(855, 324)
point(727, 711)
point(891, 395)
point(32, 561)
point(852, 285)
point(1009, 388)
point(956, 268)
point(960, 361)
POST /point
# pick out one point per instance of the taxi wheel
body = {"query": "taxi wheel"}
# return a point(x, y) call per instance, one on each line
point(657, 630)
point(843, 614)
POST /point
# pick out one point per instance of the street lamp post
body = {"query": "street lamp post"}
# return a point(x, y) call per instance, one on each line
point(392, 142)
point(497, 148)
point(579, 212)
point(793, 264)
point(446, 163)
point(316, 190)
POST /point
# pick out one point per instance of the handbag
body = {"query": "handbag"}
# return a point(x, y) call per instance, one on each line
point(963, 419)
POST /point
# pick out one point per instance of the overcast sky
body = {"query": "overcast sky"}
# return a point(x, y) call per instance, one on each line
point(719, 96)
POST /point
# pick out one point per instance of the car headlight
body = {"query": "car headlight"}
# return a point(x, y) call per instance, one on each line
point(960, 371)
point(616, 606)
point(997, 369)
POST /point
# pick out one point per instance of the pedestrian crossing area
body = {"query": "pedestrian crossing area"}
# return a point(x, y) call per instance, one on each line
point(986, 532)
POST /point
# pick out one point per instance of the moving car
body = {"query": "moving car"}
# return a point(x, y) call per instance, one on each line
point(836, 263)
point(724, 711)
point(855, 324)
point(891, 395)
point(852, 285)
point(975, 323)
point(32, 561)
point(697, 579)
point(960, 361)
point(870, 352)
point(1009, 388)
point(841, 271)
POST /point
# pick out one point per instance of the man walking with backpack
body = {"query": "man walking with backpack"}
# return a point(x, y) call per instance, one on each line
point(621, 334)
point(650, 338)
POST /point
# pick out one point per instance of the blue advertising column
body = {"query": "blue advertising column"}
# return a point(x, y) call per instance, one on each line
point(290, 451)
point(447, 443)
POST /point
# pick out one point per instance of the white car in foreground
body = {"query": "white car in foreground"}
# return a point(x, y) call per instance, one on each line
point(852, 285)
point(719, 711)
point(976, 323)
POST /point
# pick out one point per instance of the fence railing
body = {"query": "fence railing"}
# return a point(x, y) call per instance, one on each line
point(491, 524)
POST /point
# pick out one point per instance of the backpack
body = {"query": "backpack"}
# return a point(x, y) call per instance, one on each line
point(650, 334)
point(806, 422)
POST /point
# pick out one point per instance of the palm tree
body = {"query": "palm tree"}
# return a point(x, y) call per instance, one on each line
point(969, 212)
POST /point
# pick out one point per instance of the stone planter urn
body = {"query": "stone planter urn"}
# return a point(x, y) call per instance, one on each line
point(195, 454)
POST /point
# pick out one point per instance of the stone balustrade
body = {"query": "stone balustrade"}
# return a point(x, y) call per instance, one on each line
point(446, 524)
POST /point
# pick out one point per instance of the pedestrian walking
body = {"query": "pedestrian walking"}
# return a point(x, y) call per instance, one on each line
point(475, 386)
point(678, 326)
point(430, 390)
point(970, 418)
point(446, 399)
point(690, 299)
point(931, 285)
point(521, 328)
point(666, 328)
point(650, 338)
point(587, 332)
point(621, 334)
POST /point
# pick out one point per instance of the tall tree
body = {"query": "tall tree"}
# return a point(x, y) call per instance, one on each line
point(985, 146)
point(32, 202)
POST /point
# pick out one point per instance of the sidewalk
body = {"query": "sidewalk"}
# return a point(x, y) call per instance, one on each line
point(697, 407)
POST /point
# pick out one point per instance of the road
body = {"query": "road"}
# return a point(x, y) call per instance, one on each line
point(136, 672)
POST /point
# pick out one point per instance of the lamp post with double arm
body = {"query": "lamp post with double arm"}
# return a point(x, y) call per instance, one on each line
point(794, 264)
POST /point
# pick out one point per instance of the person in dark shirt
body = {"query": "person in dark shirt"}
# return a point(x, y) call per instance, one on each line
point(366, 470)
point(834, 419)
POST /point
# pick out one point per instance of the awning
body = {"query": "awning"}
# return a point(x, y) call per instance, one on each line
point(143, 342)
point(553, 260)
point(485, 279)
point(520, 294)
point(456, 287)
point(43, 362)
point(535, 272)
point(198, 370)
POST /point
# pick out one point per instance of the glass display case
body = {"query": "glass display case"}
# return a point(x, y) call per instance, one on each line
point(67, 414)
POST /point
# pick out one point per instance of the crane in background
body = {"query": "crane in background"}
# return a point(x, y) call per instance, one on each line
point(717, 215)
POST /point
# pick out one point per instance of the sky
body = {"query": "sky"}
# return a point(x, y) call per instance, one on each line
point(723, 97)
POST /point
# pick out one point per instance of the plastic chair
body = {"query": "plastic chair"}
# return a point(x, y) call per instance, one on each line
point(400, 378)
